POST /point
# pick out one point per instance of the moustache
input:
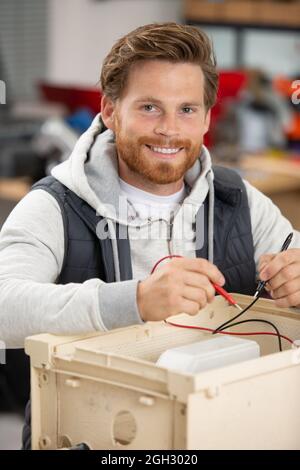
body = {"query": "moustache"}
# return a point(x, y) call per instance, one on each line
point(174, 143)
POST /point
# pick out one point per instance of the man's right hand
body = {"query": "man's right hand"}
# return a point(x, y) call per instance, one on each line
point(181, 285)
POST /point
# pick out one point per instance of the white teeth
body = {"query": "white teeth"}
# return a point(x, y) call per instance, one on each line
point(164, 150)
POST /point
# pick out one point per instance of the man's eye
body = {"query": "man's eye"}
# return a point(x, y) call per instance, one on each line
point(148, 107)
point(187, 110)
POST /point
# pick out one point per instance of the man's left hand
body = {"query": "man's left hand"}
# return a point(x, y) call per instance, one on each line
point(282, 271)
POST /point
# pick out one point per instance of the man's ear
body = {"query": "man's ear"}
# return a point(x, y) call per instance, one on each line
point(207, 121)
point(108, 112)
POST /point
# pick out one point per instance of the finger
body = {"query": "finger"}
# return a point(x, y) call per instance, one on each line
point(188, 306)
point(289, 288)
point(284, 276)
point(202, 266)
point(288, 301)
point(195, 294)
point(268, 287)
point(279, 261)
point(264, 260)
point(197, 280)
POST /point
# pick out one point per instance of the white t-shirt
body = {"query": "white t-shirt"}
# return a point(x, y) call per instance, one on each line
point(149, 206)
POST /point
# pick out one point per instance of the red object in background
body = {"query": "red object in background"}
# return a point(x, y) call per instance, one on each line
point(231, 83)
point(72, 97)
point(286, 87)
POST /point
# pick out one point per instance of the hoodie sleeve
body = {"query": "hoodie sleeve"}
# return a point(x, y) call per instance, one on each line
point(269, 227)
point(31, 257)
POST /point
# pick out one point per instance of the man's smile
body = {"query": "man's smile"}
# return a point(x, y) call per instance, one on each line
point(164, 152)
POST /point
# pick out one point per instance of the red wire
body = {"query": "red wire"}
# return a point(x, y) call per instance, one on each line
point(229, 299)
point(162, 259)
point(227, 333)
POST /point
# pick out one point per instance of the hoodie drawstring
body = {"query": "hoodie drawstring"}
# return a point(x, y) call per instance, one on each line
point(211, 203)
point(113, 238)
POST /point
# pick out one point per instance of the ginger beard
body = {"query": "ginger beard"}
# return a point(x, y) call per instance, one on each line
point(140, 160)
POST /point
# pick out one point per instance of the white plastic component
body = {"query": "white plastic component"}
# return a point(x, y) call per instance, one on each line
point(209, 354)
point(296, 344)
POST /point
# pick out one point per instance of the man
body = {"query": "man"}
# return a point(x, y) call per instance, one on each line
point(75, 258)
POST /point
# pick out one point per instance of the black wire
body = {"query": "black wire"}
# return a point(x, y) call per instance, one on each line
point(229, 323)
point(237, 316)
point(255, 320)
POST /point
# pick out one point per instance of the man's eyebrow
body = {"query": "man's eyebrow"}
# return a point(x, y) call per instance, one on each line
point(155, 100)
point(148, 98)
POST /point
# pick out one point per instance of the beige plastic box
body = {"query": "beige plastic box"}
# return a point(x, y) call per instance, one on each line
point(105, 389)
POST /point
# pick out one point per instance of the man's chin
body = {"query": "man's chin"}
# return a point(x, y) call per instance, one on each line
point(156, 170)
point(163, 179)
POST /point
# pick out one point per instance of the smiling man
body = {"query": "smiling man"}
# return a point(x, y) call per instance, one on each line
point(158, 135)
point(77, 253)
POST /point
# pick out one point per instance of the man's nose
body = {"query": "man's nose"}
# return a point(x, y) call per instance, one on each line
point(167, 125)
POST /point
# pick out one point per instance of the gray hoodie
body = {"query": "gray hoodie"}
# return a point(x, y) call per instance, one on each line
point(32, 244)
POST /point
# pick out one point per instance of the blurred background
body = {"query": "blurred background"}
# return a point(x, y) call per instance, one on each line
point(51, 53)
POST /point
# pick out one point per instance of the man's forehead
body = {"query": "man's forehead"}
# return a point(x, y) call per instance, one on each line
point(161, 81)
point(160, 71)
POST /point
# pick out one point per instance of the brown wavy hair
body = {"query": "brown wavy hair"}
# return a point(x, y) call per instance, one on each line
point(172, 42)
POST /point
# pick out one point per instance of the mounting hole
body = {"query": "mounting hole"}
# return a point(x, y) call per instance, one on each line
point(124, 428)
point(44, 442)
point(45, 378)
